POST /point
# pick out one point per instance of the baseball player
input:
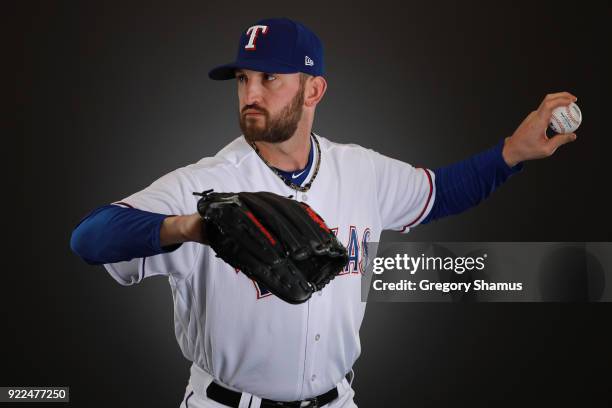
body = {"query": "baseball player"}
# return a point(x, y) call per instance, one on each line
point(250, 348)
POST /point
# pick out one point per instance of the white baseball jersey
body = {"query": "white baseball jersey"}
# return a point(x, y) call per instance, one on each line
point(246, 338)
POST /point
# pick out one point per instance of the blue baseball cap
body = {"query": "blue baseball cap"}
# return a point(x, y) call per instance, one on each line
point(275, 45)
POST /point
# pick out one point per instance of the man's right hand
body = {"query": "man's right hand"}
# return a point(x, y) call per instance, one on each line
point(529, 141)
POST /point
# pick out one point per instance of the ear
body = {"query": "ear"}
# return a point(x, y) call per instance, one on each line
point(314, 90)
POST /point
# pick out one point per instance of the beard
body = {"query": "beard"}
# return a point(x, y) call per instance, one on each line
point(275, 129)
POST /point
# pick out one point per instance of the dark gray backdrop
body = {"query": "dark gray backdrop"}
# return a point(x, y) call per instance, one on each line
point(112, 95)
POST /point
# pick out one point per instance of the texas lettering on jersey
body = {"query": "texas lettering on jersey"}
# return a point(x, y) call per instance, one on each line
point(357, 250)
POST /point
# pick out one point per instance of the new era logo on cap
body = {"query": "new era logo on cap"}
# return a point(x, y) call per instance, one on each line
point(275, 45)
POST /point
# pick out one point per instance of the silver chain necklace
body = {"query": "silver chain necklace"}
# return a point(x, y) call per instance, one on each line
point(289, 183)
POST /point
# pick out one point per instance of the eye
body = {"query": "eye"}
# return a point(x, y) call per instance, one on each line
point(270, 77)
point(241, 77)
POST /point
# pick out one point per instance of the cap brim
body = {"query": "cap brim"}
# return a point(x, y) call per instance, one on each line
point(227, 71)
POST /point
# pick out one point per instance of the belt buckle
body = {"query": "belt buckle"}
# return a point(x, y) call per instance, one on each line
point(312, 403)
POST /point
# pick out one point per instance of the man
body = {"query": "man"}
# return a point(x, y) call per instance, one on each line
point(250, 348)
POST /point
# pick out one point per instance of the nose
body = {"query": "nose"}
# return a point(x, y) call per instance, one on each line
point(253, 92)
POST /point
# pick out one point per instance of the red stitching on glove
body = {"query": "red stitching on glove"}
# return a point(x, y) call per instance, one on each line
point(261, 227)
point(316, 217)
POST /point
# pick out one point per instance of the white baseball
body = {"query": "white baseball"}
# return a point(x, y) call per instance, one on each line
point(566, 119)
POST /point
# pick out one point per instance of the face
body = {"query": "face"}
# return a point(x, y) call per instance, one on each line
point(270, 105)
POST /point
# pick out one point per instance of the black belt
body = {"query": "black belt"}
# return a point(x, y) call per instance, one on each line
point(231, 398)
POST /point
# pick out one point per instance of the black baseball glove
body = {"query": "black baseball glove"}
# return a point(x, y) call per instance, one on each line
point(281, 243)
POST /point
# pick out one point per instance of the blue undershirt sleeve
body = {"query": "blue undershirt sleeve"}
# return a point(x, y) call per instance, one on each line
point(464, 184)
point(114, 234)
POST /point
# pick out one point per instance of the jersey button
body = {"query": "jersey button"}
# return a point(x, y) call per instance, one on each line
point(317, 337)
point(304, 197)
point(314, 377)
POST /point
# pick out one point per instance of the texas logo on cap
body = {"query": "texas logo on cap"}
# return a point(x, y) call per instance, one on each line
point(252, 32)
